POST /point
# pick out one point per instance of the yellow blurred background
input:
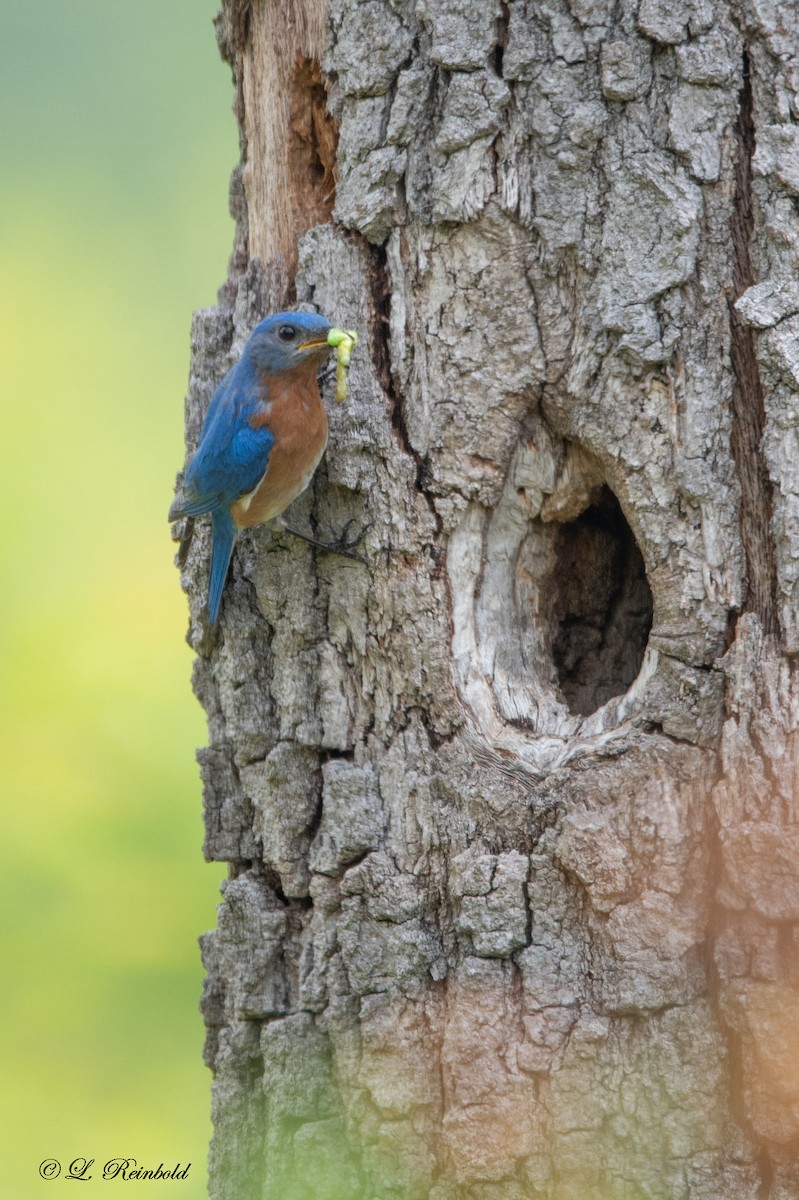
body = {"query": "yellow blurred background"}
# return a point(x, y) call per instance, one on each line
point(117, 141)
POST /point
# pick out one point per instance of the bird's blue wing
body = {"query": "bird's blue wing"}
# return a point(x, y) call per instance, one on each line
point(232, 456)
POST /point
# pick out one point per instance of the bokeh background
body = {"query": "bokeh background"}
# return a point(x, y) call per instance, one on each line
point(117, 144)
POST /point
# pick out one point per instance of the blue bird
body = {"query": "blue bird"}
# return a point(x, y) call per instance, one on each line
point(262, 438)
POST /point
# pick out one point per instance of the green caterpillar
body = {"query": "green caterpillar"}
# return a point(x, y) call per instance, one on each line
point(345, 341)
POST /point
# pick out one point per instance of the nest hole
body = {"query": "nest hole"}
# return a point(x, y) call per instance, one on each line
point(600, 606)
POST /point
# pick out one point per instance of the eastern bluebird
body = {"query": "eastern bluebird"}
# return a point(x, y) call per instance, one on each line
point(262, 438)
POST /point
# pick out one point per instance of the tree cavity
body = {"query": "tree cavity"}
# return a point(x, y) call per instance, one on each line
point(599, 606)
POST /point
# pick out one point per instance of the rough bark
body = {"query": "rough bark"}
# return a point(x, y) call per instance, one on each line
point(511, 811)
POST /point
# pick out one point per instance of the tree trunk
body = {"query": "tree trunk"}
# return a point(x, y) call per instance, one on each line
point(511, 812)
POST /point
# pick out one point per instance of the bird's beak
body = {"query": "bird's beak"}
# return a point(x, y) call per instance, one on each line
point(315, 344)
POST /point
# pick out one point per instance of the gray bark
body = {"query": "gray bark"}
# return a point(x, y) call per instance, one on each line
point(511, 811)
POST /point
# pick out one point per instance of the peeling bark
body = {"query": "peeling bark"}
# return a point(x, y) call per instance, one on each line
point(511, 811)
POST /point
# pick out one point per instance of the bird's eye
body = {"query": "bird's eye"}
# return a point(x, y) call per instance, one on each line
point(287, 333)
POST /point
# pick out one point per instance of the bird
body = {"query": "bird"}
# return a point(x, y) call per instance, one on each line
point(262, 438)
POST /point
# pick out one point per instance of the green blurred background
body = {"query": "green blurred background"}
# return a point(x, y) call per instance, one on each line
point(117, 142)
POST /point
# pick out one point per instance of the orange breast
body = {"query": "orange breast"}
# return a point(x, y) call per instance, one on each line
point(295, 415)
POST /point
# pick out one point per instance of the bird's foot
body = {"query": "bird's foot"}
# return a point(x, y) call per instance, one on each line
point(344, 544)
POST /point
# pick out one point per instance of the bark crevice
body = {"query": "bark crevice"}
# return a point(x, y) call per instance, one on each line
point(748, 408)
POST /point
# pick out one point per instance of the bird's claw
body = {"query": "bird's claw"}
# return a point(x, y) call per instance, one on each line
point(343, 544)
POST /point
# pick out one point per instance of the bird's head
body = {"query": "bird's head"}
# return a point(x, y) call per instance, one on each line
point(288, 340)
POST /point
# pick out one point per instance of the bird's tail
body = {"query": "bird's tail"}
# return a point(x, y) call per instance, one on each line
point(224, 534)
